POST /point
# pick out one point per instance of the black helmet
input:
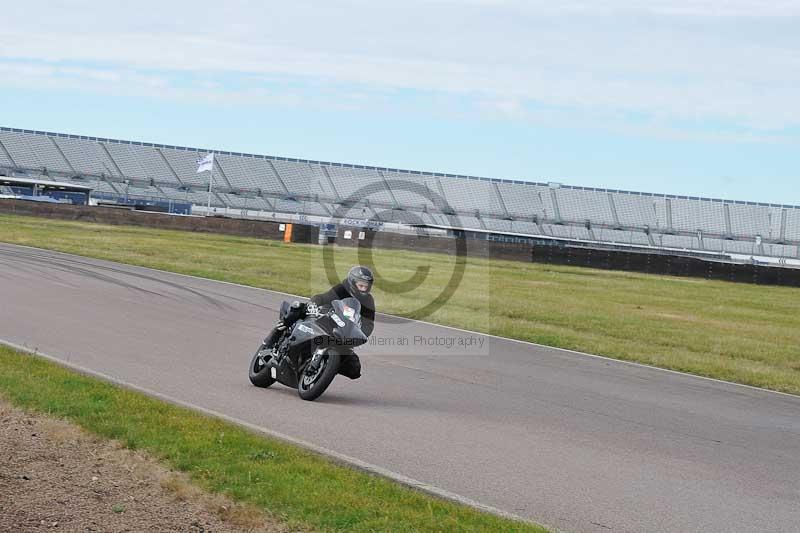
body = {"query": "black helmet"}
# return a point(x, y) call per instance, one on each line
point(359, 281)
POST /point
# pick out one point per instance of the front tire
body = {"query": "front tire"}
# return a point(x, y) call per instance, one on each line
point(312, 384)
point(259, 370)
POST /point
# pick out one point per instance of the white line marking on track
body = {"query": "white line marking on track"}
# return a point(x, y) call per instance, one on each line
point(338, 457)
point(529, 343)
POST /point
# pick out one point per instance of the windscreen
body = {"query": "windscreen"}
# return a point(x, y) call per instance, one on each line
point(349, 308)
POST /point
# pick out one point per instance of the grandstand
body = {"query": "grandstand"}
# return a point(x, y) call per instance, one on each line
point(316, 191)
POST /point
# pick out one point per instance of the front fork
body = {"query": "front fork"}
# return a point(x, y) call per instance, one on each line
point(273, 337)
point(313, 364)
point(272, 342)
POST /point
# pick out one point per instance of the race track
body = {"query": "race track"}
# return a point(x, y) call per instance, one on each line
point(575, 442)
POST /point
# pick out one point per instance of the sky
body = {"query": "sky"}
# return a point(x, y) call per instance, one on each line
point(692, 97)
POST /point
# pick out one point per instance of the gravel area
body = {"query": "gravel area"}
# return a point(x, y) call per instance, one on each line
point(56, 477)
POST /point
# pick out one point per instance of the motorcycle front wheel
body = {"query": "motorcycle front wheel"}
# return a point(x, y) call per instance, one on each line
point(316, 378)
point(259, 370)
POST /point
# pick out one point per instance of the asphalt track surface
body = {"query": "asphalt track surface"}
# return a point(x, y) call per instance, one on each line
point(574, 442)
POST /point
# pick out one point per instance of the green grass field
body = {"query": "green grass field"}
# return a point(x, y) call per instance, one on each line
point(744, 333)
point(301, 489)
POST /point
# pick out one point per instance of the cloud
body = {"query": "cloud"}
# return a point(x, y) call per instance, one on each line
point(706, 8)
point(735, 63)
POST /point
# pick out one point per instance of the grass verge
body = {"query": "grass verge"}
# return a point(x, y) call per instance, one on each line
point(736, 332)
point(299, 488)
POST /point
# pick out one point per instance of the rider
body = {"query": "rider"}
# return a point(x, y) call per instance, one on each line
point(358, 285)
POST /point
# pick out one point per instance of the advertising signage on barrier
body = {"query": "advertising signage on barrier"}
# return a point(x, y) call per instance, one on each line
point(362, 223)
point(329, 230)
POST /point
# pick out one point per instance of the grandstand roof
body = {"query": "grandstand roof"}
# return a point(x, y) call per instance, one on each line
point(4, 180)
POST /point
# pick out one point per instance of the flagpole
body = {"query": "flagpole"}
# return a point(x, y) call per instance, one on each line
point(210, 184)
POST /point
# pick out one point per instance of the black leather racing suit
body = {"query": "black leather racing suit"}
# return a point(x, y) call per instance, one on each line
point(338, 292)
point(350, 365)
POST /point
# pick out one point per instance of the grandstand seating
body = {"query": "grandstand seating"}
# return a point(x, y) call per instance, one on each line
point(579, 204)
point(499, 225)
point(139, 162)
point(144, 192)
point(681, 242)
point(86, 157)
point(569, 232)
point(694, 215)
point(300, 207)
point(411, 191)
point(253, 182)
point(750, 220)
point(471, 195)
point(739, 247)
point(34, 152)
point(354, 183)
point(792, 224)
point(184, 164)
point(524, 227)
point(295, 177)
point(249, 173)
point(621, 237)
point(526, 201)
point(104, 187)
point(4, 160)
point(640, 210)
point(464, 221)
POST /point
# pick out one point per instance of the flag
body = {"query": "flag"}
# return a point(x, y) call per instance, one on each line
point(206, 163)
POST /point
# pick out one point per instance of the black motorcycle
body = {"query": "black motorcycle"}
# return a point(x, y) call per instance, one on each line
point(307, 355)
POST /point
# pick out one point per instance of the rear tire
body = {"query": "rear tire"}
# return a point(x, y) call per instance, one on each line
point(309, 389)
point(260, 373)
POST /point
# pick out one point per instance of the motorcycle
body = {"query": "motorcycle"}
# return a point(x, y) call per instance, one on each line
point(307, 355)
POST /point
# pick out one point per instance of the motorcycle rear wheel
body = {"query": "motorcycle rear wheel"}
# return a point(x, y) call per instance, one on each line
point(259, 373)
point(311, 385)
